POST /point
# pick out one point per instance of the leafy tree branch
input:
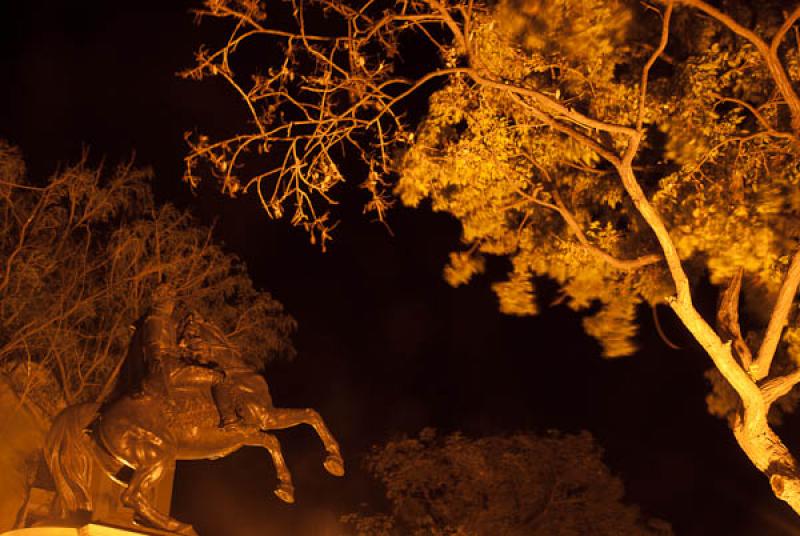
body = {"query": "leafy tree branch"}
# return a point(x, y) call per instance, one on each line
point(575, 138)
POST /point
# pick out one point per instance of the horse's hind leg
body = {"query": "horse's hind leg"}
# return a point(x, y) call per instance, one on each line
point(285, 489)
point(137, 496)
point(278, 418)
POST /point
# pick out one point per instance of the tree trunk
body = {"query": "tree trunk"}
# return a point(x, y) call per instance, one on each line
point(768, 453)
point(761, 445)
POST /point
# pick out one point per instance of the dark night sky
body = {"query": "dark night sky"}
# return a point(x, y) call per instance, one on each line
point(385, 346)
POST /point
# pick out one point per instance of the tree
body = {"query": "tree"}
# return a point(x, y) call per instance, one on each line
point(80, 255)
point(624, 150)
point(519, 484)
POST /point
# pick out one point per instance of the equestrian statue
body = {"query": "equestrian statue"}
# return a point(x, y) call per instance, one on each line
point(194, 397)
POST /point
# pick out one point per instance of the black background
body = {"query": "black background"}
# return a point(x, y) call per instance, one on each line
point(385, 347)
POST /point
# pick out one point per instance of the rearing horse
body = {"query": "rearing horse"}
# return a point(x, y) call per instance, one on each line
point(148, 431)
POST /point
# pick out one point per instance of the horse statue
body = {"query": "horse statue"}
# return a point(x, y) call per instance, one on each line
point(173, 415)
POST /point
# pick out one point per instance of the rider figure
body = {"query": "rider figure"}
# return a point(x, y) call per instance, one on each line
point(159, 340)
point(170, 344)
point(223, 388)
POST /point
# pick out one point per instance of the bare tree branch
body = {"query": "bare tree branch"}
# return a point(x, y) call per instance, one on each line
point(777, 321)
point(662, 45)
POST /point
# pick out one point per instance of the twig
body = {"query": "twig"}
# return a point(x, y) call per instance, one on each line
point(662, 44)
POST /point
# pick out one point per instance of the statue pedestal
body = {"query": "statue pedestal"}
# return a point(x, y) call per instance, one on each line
point(92, 529)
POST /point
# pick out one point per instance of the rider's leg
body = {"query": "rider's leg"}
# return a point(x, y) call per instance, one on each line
point(226, 404)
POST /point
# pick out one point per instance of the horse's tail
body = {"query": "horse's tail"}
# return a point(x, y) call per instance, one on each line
point(68, 453)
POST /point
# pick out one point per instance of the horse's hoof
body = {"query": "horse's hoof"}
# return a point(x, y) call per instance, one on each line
point(187, 530)
point(170, 525)
point(334, 465)
point(181, 528)
point(285, 492)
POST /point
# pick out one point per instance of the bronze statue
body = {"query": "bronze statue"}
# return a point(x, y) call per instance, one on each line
point(198, 399)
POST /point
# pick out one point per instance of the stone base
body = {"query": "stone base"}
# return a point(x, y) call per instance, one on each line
point(92, 529)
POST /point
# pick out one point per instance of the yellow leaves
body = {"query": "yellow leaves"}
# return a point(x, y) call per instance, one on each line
point(574, 151)
point(587, 33)
point(728, 242)
point(614, 326)
point(414, 185)
point(721, 401)
point(463, 265)
point(519, 188)
point(466, 160)
point(516, 296)
point(484, 160)
point(792, 339)
point(700, 122)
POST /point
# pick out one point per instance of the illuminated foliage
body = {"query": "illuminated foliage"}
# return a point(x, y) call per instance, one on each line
point(520, 484)
point(80, 255)
point(623, 149)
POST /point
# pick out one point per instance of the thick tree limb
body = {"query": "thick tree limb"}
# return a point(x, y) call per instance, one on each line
point(777, 387)
point(777, 321)
point(720, 352)
point(548, 120)
point(653, 219)
point(551, 105)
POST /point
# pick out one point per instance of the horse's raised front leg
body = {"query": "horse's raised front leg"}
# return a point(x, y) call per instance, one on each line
point(285, 489)
point(278, 418)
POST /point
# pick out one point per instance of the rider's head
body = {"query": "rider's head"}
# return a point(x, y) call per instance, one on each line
point(164, 296)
